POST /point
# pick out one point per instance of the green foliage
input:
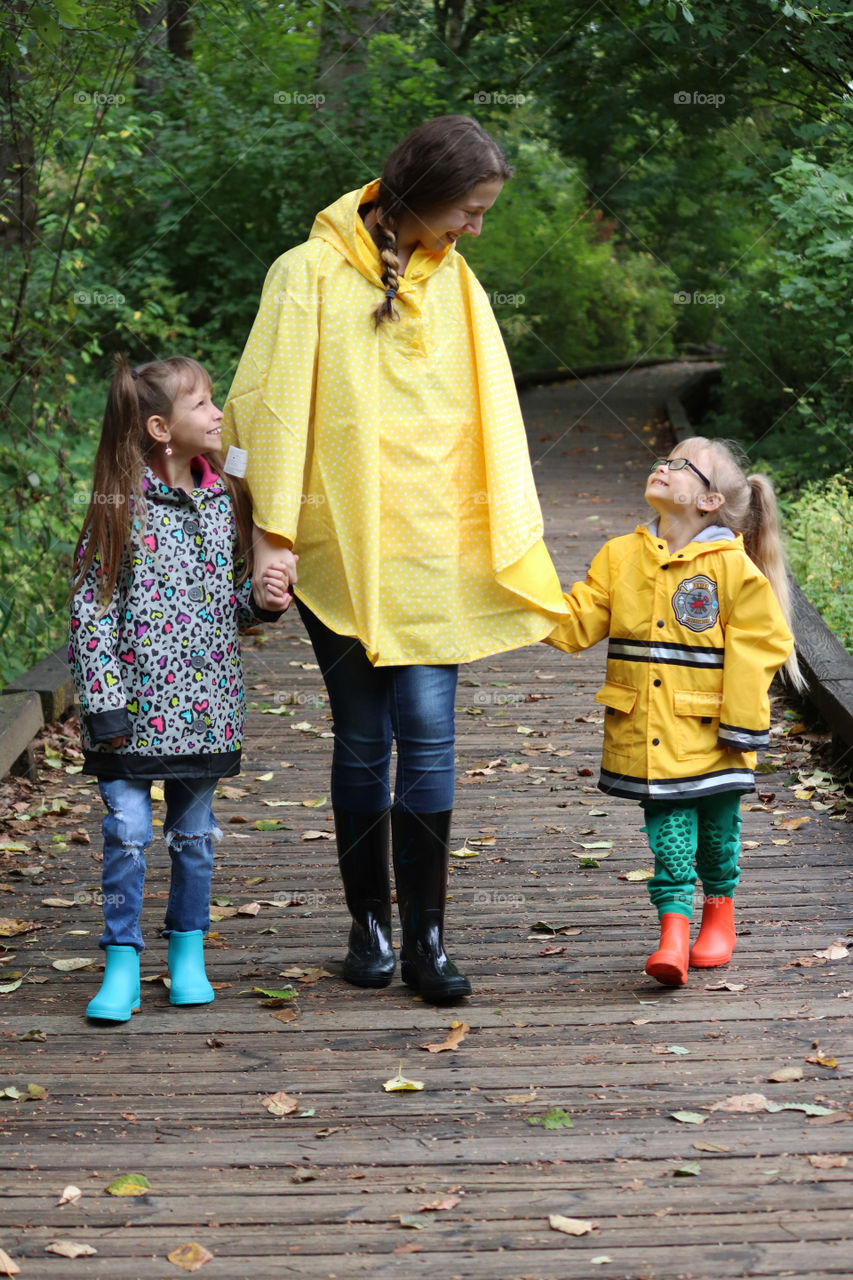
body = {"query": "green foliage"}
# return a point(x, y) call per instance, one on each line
point(819, 529)
point(564, 291)
point(556, 1118)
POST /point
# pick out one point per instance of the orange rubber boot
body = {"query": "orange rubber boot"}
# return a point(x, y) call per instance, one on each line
point(717, 937)
point(669, 963)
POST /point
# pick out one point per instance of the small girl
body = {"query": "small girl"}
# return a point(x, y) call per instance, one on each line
point(696, 608)
point(156, 658)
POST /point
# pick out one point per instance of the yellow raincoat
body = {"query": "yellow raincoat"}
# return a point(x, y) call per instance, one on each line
point(695, 640)
point(394, 460)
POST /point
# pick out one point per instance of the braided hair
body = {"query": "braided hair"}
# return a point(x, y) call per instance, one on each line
point(437, 162)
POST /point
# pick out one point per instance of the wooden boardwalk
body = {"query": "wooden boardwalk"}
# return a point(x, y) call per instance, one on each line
point(461, 1178)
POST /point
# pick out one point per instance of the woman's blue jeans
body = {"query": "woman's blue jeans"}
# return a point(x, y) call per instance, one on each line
point(189, 830)
point(374, 706)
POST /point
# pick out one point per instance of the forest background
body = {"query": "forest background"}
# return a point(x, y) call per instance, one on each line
point(682, 178)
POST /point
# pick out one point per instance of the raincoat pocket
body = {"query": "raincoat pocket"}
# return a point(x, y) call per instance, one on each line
point(622, 733)
point(697, 722)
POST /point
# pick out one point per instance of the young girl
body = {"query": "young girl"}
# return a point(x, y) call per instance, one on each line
point(156, 658)
point(695, 606)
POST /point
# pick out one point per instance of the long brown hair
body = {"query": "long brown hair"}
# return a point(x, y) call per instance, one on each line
point(135, 395)
point(434, 164)
point(749, 508)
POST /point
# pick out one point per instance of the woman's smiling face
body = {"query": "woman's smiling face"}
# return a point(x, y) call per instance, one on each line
point(438, 228)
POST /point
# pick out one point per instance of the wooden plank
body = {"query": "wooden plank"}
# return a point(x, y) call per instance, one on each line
point(20, 721)
point(569, 1018)
point(51, 680)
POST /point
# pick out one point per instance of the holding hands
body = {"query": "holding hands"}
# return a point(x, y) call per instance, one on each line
point(274, 572)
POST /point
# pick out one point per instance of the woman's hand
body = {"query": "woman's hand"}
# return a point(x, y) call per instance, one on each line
point(274, 570)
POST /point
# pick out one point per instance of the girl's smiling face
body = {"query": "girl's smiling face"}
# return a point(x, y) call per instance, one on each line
point(195, 423)
point(672, 492)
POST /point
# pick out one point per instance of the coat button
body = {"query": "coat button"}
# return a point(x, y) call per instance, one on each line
point(661, 622)
point(657, 684)
point(655, 742)
point(199, 725)
point(197, 662)
point(195, 593)
point(192, 526)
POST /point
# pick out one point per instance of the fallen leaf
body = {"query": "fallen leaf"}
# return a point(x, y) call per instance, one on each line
point(688, 1117)
point(457, 1033)
point(599, 1259)
point(276, 993)
point(306, 976)
point(7, 1266)
point(725, 985)
point(249, 909)
point(264, 777)
point(70, 1195)
point(571, 1226)
point(520, 1097)
point(741, 1104)
point(399, 1083)
point(785, 1075)
point(691, 1169)
point(285, 1015)
point(9, 927)
point(710, 1146)
point(37, 1092)
point(129, 1184)
point(60, 902)
point(318, 835)
point(792, 824)
point(434, 1206)
point(74, 962)
point(464, 852)
point(556, 1118)
point(644, 873)
point(828, 1162)
point(70, 1249)
point(280, 1104)
point(835, 951)
point(189, 1257)
point(411, 1221)
point(822, 1059)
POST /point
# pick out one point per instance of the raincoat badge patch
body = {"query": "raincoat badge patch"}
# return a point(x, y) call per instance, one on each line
point(696, 603)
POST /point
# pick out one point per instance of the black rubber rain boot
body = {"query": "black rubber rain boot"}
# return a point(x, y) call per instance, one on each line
point(363, 849)
point(421, 843)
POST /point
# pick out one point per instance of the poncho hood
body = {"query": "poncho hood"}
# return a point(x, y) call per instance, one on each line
point(341, 226)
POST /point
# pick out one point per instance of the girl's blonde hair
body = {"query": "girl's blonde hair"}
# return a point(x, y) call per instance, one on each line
point(135, 395)
point(750, 509)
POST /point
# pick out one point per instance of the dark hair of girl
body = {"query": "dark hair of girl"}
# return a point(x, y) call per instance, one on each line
point(434, 164)
point(135, 395)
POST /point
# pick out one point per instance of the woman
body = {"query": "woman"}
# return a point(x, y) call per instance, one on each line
point(386, 447)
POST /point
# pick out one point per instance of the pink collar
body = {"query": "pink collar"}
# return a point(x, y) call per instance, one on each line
point(208, 476)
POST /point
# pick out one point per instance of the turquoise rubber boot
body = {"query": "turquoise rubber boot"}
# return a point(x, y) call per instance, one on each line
point(118, 997)
point(186, 969)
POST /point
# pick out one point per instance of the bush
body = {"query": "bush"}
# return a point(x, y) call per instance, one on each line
point(819, 536)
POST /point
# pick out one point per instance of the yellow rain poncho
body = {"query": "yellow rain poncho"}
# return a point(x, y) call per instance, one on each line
point(394, 460)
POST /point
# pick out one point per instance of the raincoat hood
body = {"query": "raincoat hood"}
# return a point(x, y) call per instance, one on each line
point(342, 226)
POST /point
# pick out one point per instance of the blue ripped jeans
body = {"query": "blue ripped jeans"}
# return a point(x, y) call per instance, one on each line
point(372, 708)
point(189, 830)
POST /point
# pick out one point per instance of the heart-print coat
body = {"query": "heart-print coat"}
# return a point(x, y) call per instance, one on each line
point(161, 664)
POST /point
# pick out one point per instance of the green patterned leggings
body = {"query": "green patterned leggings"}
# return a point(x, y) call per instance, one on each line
point(706, 830)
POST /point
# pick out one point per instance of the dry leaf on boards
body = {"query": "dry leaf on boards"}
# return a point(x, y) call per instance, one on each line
point(399, 1083)
point(70, 1249)
point(8, 1267)
point(70, 1195)
point(280, 1104)
point(457, 1033)
point(571, 1226)
point(189, 1257)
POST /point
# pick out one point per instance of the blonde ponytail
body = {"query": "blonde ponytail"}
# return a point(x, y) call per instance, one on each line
point(749, 508)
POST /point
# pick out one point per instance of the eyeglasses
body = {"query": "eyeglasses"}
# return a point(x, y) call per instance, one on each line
point(678, 464)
